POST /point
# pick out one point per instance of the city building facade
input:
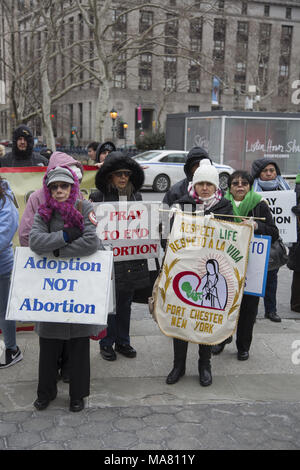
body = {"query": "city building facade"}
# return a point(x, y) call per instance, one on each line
point(235, 55)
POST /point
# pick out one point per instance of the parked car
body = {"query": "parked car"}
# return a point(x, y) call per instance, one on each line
point(163, 168)
point(6, 143)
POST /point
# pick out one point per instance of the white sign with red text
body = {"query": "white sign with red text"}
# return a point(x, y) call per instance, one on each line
point(131, 228)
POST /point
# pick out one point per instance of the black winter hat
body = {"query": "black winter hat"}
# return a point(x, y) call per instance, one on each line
point(194, 156)
point(23, 131)
point(110, 146)
point(118, 161)
point(261, 163)
point(46, 153)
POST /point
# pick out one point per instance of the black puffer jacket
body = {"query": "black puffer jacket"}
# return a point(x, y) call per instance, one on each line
point(24, 158)
point(179, 189)
point(268, 226)
point(129, 275)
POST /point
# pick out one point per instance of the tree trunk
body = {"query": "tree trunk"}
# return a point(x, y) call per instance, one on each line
point(101, 111)
point(46, 106)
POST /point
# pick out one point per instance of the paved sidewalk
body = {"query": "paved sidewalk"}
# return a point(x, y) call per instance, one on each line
point(250, 405)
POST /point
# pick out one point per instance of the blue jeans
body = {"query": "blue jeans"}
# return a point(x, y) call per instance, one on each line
point(118, 325)
point(8, 327)
point(271, 289)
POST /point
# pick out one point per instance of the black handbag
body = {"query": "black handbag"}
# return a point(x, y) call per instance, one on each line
point(141, 295)
point(278, 255)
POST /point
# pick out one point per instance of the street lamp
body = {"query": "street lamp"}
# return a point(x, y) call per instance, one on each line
point(113, 115)
point(125, 127)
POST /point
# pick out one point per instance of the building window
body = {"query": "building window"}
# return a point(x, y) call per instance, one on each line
point(284, 60)
point(71, 115)
point(146, 20)
point(219, 47)
point(241, 52)
point(221, 4)
point(266, 10)
point(288, 13)
point(244, 8)
point(193, 109)
point(264, 43)
point(90, 120)
point(196, 34)
point(219, 40)
point(80, 112)
point(194, 78)
point(171, 35)
point(145, 72)
point(119, 80)
point(170, 73)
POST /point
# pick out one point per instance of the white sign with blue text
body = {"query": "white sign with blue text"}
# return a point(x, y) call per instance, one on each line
point(257, 269)
point(63, 290)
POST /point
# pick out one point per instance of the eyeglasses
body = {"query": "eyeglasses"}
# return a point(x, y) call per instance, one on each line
point(237, 183)
point(63, 186)
point(121, 173)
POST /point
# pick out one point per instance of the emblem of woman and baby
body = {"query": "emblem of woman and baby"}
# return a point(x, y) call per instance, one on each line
point(209, 291)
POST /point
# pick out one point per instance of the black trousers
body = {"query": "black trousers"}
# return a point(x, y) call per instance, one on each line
point(180, 348)
point(295, 292)
point(248, 313)
point(79, 367)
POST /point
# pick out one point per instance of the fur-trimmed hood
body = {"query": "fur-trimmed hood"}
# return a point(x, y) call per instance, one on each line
point(117, 161)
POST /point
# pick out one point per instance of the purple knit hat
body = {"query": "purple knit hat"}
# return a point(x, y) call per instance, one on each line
point(71, 216)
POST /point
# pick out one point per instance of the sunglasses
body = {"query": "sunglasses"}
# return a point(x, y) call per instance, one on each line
point(64, 186)
point(121, 173)
point(237, 183)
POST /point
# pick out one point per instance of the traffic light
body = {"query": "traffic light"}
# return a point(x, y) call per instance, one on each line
point(72, 136)
point(120, 129)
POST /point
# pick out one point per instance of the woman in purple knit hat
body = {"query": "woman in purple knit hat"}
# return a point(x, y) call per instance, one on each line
point(62, 228)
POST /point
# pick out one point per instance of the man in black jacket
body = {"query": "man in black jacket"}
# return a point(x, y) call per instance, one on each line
point(22, 150)
point(195, 155)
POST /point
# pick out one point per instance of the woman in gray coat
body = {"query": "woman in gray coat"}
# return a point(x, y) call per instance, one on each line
point(66, 229)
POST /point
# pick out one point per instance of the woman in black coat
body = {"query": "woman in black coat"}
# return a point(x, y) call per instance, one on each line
point(204, 194)
point(247, 203)
point(294, 255)
point(121, 176)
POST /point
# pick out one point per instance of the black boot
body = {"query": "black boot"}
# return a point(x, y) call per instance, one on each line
point(218, 348)
point(180, 351)
point(205, 376)
point(204, 366)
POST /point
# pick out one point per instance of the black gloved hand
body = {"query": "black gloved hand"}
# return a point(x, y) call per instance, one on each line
point(72, 233)
point(296, 209)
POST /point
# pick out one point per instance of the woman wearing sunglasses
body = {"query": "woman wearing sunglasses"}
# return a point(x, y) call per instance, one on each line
point(121, 176)
point(247, 203)
point(63, 227)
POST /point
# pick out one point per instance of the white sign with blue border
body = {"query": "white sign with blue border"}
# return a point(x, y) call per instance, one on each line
point(257, 270)
point(63, 290)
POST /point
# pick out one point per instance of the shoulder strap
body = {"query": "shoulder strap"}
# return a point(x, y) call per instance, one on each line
point(79, 205)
